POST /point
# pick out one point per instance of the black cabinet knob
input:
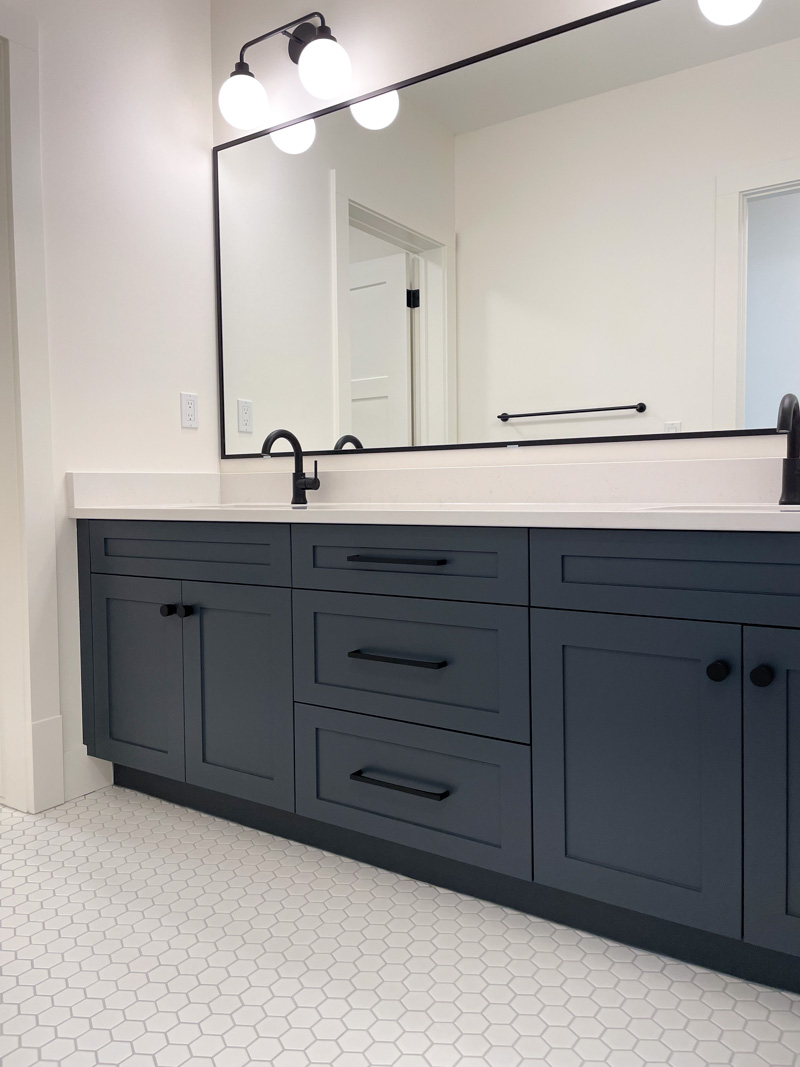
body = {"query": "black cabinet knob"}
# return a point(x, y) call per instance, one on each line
point(167, 609)
point(184, 610)
point(718, 671)
point(762, 676)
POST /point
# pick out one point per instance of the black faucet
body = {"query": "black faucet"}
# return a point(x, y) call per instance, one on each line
point(299, 481)
point(789, 423)
point(348, 439)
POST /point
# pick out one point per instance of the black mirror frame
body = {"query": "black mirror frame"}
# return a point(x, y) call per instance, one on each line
point(545, 35)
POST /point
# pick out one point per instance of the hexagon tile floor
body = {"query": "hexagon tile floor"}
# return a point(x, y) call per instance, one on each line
point(136, 932)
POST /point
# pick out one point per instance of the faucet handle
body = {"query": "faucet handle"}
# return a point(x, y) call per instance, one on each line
point(311, 483)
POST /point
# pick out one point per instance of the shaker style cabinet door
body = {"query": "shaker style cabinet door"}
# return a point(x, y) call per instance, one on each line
point(636, 734)
point(238, 691)
point(772, 788)
point(138, 673)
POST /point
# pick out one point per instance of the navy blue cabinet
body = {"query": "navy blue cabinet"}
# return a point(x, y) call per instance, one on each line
point(395, 683)
point(138, 674)
point(637, 764)
point(772, 788)
point(238, 691)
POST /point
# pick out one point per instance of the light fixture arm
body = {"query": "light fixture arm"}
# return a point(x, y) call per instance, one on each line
point(284, 30)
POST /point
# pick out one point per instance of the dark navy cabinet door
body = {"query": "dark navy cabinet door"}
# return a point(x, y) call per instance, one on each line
point(238, 686)
point(637, 764)
point(772, 789)
point(138, 674)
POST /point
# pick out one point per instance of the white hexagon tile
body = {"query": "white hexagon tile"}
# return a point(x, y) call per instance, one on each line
point(140, 933)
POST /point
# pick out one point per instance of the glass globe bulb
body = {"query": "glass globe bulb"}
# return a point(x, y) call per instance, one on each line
point(324, 69)
point(243, 102)
point(295, 139)
point(728, 12)
point(377, 113)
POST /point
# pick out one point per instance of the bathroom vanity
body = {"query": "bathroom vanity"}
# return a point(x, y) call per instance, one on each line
point(600, 726)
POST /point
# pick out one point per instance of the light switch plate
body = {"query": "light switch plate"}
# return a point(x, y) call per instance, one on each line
point(189, 420)
point(245, 409)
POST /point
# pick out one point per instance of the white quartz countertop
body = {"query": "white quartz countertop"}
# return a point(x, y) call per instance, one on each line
point(755, 517)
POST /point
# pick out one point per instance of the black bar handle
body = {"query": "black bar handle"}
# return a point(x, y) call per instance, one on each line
point(359, 776)
point(360, 558)
point(427, 664)
point(167, 610)
point(184, 610)
point(572, 411)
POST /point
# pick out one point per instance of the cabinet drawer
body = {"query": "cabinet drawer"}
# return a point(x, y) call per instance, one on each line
point(245, 552)
point(460, 666)
point(446, 563)
point(725, 576)
point(462, 797)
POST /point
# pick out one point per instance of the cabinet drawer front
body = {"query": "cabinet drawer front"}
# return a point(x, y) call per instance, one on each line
point(252, 553)
point(446, 563)
point(462, 797)
point(725, 576)
point(458, 666)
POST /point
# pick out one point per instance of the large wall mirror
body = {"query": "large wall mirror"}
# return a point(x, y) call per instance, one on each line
point(608, 218)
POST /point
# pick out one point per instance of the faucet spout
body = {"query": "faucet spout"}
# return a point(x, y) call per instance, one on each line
point(285, 435)
point(789, 423)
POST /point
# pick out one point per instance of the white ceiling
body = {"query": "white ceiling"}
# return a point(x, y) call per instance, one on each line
point(660, 39)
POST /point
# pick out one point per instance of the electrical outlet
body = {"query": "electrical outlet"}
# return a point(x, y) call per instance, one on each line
point(189, 419)
point(672, 427)
point(245, 408)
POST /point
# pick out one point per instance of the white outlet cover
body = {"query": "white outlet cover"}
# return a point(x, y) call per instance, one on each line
point(672, 427)
point(189, 415)
point(245, 412)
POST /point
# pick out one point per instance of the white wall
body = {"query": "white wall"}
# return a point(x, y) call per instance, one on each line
point(279, 225)
point(126, 137)
point(12, 603)
point(597, 234)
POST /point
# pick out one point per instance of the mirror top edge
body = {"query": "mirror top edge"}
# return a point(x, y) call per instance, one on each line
point(533, 443)
point(544, 35)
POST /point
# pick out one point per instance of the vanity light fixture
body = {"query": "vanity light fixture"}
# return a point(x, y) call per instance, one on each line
point(728, 12)
point(378, 112)
point(323, 66)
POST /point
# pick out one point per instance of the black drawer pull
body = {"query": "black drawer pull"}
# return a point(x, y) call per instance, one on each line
point(428, 664)
point(396, 559)
point(184, 611)
point(167, 610)
point(359, 776)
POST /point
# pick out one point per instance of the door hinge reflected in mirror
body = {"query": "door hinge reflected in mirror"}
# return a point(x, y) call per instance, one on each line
point(412, 298)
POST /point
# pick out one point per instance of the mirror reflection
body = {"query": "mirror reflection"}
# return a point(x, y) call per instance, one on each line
point(608, 219)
